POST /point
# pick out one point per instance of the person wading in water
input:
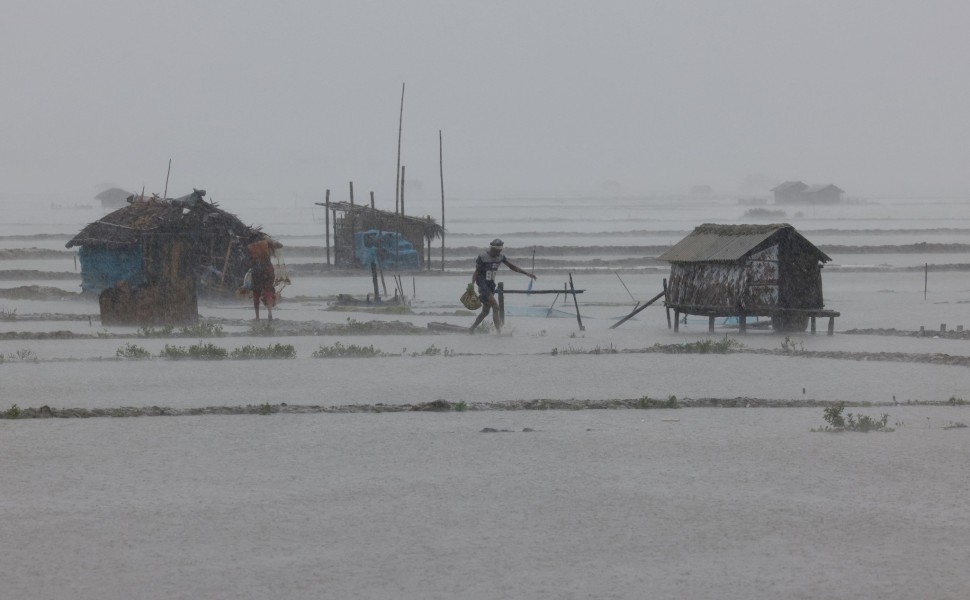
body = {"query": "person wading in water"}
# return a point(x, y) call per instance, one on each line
point(486, 266)
point(263, 275)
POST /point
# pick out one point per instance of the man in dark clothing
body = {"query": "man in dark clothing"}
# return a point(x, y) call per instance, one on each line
point(486, 266)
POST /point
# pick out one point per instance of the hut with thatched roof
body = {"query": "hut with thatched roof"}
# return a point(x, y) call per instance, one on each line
point(362, 235)
point(114, 198)
point(748, 271)
point(149, 261)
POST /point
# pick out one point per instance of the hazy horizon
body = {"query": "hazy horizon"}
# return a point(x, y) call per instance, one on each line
point(534, 100)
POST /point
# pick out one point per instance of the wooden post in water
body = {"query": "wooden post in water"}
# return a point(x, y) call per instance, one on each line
point(501, 301)
point(926, 279)
point(373, 275)
point(579, 319)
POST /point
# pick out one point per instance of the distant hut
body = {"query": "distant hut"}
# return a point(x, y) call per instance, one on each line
point(362, 234)
point(825, 193)
point(149, 261)
point(796, 192)
point(748, 271)
point(113, 198)
point(789, 192)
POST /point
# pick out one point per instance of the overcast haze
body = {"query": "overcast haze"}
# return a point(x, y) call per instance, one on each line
point(536, 98)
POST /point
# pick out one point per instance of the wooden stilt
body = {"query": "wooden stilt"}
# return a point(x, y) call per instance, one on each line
point(579, 319)
point(831, 325)
point(710, 324)
point(742, 324)
point(666, 303)
point(676, 320)
point(813, 324)
point(501, 301)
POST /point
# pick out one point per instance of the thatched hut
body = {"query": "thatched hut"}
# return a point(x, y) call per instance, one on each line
point(149, 260)
point(114, 198)
point(361, 232)
point(745, 271)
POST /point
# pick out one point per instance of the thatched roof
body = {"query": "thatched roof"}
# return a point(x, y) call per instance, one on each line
point(125, 227)
point(732, 243)
point(429, 226)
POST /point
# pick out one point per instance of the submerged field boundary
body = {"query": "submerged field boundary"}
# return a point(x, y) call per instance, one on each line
point(672, 403)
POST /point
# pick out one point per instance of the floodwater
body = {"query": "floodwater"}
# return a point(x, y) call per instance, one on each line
point(666, 503)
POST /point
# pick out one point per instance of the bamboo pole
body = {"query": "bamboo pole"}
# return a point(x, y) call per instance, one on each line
point(397, 246)
point(326, 211)
point(400, 129)
point(165, 193)
point(441, 172)
point(579, 319)
point(638, 309)
point(353, 228)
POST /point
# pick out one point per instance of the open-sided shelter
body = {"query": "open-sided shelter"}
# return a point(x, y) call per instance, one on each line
point(355, 225)
point(748, 271)
point(149, 260)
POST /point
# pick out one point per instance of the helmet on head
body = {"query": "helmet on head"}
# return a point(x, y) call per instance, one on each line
point(497, 243)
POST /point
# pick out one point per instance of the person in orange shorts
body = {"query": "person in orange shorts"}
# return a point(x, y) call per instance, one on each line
point(263, 275)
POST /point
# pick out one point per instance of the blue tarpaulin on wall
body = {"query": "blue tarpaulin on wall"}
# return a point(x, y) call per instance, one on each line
point(101, 268)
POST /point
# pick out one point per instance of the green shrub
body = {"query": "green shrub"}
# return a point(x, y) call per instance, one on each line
point(203, 329)
point(14, 412)
point(131, 351)
point(271, 351)
point(173, 352)
point(207, 351)
point(850, 422)
point(151, 332)
point(338, 350)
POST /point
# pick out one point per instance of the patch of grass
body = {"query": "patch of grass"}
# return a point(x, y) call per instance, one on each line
point(265, 408)
point(196, 351)
point(24, 355)
point(850, 422)
point(338, 350)
point(132, 352)
point(203, 329)
point(956, 401)
point(952, 425)
point(254, 352)
point(461, 406)
point(434, 351)
point(645, 402)
point(8, 315)
point(722, 346)
point(151, 332)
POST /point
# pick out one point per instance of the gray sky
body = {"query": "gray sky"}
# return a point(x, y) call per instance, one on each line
point(534, 98)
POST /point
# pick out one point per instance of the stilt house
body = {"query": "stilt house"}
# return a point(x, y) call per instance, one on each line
point(748, 271)
point(149, 261)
